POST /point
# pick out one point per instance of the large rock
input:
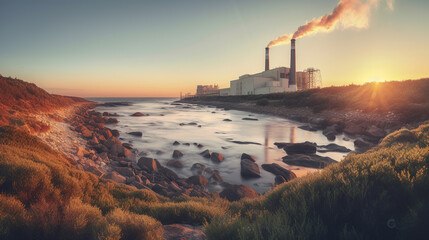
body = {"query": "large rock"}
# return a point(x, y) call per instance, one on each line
point(298, 148)
point(125, 171)
point(249, 169)
point(117, 149)
point(177, 154)
point(115, 177)
point(198, 169)
point(332, 147)
point(279, 170)
point(149, 164)
point(170, 174)
point(236, 192)
point(197, 180)
point(311, 161)
point(175, 163)
point(136, 134)
point(216, 157)
point(206, 153)
point(183, 231)
point(248, 157)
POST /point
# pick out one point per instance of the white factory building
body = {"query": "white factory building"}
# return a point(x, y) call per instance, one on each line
point(270, 81)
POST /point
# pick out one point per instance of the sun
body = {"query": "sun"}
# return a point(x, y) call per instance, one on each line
point(376, 79)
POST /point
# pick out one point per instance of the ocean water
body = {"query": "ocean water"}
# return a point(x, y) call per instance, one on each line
point(162, 127)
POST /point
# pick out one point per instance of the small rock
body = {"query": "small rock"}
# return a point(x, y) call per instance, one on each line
point(136, 134)
point(175, 163)
point(139, 114)
point(177, 154)
point(250, 119)
point(198, 168)
point(279, 170)
point(227, 120)
point(197, 180)
point(149, 164)
point(216, 157)
point(247, 156)
point(206, 153)
point(249, 169)
point(279, 180)
point(176, 143)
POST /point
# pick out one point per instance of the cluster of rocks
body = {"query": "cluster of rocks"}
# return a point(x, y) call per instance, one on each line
point(106, 157)
point(367, 135)
point(304, 154)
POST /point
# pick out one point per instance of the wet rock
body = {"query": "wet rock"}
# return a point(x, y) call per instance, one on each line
point(177, 154)
point(279, 180)
point(236, 192)
point(139, 114)
point(136, 134)
point(198, 169)
point(332, 147)
point(183, 231)
point(249, 119)
point(279, 170)
point(246, 143)
point(206, 153)
point(112, 121)
point(125, 171)
point(186, 144)
point(148, 164)
point(248, 157)
point(170, 174)
point(115, 177)
point(308, 128)
point(216, 157)
point(311, 160)
point(330, 136)
point(175, 163)
point(176, 143)
point(159, 152)
point(249, 169)
point(298, 148)
point(200, 145)
point(227, 120)
point(197, 180)
point(216, 177)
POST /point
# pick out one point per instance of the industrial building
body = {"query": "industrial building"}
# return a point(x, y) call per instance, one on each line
point(281, 79)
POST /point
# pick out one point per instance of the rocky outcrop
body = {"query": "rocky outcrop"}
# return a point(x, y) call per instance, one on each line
point(234, 192)
point(311, 160)
point(276, 169)
point(298, 148)
point(249, 169)
point(216, 157)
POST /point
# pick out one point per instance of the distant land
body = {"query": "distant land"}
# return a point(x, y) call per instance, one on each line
point(57, 156)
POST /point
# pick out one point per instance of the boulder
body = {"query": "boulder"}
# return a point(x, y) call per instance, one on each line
point(236, 192)
point(279, 170)
point(170, 174)
point(249, 169)
point(115, 177)
point(216, 157)
point(197, 180)
point(183, 231)
point(311, 160)
point(198, 169)
point(125, 171)
point(279, 180)
point(249, 119)
point(216, 177)
point(149, 164)
point(298, 148)
point(115, 133)
point(206, 153)
point(136, 134)
point(139, 114)
point(177, 154)
point(175, 163)
point(332, 147)
point(248, 157)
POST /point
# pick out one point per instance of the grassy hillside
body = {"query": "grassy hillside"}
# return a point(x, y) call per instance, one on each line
point(19, 99)
point(381, 194)
point(42, 196)
point(408, 99)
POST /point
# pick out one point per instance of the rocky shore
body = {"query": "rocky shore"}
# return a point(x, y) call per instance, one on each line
point(367, 129)
point(89, 139)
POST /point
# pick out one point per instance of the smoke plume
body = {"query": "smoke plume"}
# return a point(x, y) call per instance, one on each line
point(347, 14)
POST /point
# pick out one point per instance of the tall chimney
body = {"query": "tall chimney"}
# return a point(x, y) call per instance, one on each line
point(267, 58)
point(292, 80)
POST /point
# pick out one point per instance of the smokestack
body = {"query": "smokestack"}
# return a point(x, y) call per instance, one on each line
point(267, 58)
point(292, 80)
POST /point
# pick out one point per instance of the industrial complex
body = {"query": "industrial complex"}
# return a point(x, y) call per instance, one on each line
point(281, 79)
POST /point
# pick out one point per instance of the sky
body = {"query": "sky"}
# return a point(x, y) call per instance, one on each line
point(159, 48)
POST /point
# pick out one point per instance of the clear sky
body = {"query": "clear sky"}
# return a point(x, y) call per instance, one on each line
point(162, 47)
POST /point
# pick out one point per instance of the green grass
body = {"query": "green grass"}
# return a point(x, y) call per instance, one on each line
point(355, 199)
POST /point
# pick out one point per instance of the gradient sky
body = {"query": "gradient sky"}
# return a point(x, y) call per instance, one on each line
point(161, 48)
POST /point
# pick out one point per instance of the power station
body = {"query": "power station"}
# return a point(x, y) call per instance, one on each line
point(281, 79)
